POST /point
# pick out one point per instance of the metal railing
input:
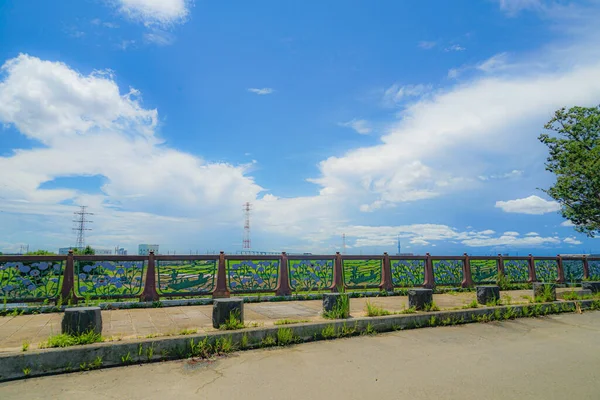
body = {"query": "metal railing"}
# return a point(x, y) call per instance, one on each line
point(71, 278)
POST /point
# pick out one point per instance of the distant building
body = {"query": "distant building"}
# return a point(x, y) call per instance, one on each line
point(120, 251)
point(405, 254)
point(145, 249)
point(64, 250)
point(103, 252)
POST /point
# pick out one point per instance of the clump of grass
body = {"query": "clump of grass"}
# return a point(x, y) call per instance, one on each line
point(290, 321)
point(65, 340)
point(571, 296)
point(375, 311)
point(26, 371)
point(493, 303)
point(432, 321)
point(328, 332)
point(268, 341)
point(546, 296)
point(528, 298)
point(97, 363)
point(224, 345)
point(506, 299)
point(472, 304)
point(202, 349)
point(187, 331)
point(410, 310)
point(347, 331)
point(126, 359)
point(153, 335)
point(341, 310)
point(25, 345)
point(285, 336)
point(503, 281)
point(244, 341)
point(369, 330)
point(431, 307)
point(233, 322)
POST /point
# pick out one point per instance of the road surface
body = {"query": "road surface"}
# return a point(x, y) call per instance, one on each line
point(555, 357)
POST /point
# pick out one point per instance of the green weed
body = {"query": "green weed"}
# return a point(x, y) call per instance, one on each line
point(285, 336)
point(244, 341)
point(187, 331)
point(126, 359)
point(346, 331)
point(432, 321)
point(150, 352)
point(233, 322)
point(472, 304)
point(328, 332)
point(341, 310)
point(25, 345)
point(369, 330)
point(503, 281)
point(224, 345)
point(493, 303)
point(431, 307)
point(410, 310)
point(26, 371)
point(375, 311)
point(506, 299)
point(290, 321)
point(65, 340)
point(268, 341)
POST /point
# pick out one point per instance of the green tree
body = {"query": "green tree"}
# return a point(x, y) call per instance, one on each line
point(40, 253)
point(87, 251)
point(574, 145)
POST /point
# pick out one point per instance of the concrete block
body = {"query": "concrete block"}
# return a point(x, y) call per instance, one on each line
point(331, 301)
point(487, 294)
point(222, 308)
point(589, 285)
point(539, 289)
point(419, 298)
point(79, 320)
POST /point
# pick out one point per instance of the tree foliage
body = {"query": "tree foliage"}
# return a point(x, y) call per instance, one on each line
point(574, 157)
point(40, 253)
point(87, 251)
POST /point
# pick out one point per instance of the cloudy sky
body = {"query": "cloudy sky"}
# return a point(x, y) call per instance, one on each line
point(377, 120)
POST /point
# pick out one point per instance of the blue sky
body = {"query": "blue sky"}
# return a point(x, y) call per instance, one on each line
point(369, 119)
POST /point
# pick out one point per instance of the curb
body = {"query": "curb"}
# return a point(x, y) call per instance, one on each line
point(112, 354)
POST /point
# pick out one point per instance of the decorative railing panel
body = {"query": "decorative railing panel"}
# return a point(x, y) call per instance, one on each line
point(186, 276)
point(516, 271)
point(546, 270)
point(252, 276)
point(594, 269)
point(109, 278)
point(365, 273)
point(311, 274)
point(36, 280)
point(447, 272)
point(484, 271)
point(573, 270)
point(408, 273)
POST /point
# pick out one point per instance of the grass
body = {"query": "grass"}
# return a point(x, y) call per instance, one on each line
point(369, 330)
point(64, 340)
point(547, 295)
point(224, 345)
point(26, 371)
point(25, 345)
point(97, 363)
point(506, 299)
point(346, 331)
point(341, 309)
point(375, 311)
point(126, 359)
point(472, 304)
point(493, 303)
point(187, 331)
point(285, 336)
point(431, 307)
point(410, 310)
point(268, 341)
point(244, 341)
point(233, 322)
point(290, 321)
point(328, 332)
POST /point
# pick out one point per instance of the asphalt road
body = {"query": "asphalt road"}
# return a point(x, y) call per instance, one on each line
point(555, 357)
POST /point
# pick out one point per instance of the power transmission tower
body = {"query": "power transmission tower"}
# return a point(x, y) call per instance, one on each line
point(80, 226)
point(246, 241)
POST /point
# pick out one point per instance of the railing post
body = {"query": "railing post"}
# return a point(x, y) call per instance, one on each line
point(150, 293)
point(531, 262)
point(501, 265)
point(67, 292)
point(338, 278)
point(561, 270)
point(221, 290)
point(586, 268)
point(386, 274)
point(467, 277)
point(283, 284)
point(429, 278)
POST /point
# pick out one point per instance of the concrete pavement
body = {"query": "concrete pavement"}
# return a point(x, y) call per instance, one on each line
point(141, 322)
point(546, 358)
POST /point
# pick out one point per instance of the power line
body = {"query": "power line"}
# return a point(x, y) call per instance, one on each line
point(81, 226)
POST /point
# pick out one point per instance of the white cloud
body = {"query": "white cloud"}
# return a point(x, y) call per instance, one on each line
point(532, 234)
point(528, 205)
point(495, 63)
point(262, 91)
point(159, 37)
point(359, 125)
point(487, 232)
point(512, 7)
point(515, 173)
point(398, 93)
point(424, 44)
point(513, 241)
point(455, 47)
point(572, 240)
point(567, 223)
point(155, 12)
point(92, 129)
point(511, 233)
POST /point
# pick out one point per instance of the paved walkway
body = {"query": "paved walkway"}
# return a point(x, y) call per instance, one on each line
point(133, 323)
point(548, 358)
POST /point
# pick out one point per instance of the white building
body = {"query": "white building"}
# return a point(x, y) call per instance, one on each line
point(145, 249)
point(102, 252)
point(120, 251)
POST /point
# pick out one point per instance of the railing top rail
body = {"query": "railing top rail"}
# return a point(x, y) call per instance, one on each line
point(544, 258)
point(439, 258)
point(408, 257)
point(366, 257)
point(593, 258)
point(201, 257)
point(253, 257)
point(311, 257)
point(109, 258)
point(15, 258)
